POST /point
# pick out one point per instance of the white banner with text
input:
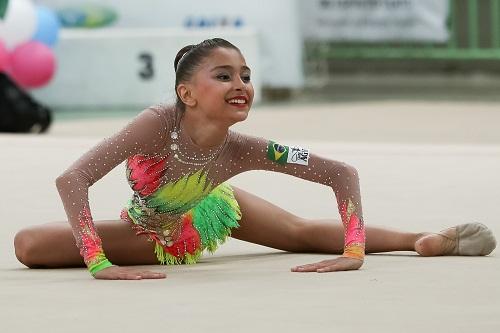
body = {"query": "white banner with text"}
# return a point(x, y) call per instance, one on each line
point(375, 20)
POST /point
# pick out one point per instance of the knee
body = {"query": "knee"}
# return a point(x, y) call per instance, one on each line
point(319, 236)
point(300, 232)
point(25, 245)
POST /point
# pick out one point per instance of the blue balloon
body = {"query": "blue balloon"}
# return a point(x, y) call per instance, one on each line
point(47, 30)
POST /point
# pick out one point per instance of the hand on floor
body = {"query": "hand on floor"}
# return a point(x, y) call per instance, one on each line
point(331, 265)
point(127, 273)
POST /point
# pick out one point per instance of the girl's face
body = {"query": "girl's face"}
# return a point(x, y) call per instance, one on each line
point(221, 87)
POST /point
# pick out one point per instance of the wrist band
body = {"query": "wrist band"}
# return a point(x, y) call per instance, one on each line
point(354, 252)
point(100, 266)
point(350, 256)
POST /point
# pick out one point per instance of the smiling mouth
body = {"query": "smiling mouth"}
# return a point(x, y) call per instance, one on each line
point(240, 100)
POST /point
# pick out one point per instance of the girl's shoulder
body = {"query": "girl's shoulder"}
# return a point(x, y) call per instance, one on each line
point(159, 117)
point(242, 142)
point(163, 110)
point(150, 129)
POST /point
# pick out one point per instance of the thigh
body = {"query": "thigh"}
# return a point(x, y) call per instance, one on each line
point(266, 224)
point(55, 244)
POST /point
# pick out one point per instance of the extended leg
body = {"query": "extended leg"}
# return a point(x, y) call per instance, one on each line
point(266, 224)
point(53, 245)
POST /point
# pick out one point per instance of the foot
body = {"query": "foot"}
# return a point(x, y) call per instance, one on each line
point(470, 239)
point(437, 244)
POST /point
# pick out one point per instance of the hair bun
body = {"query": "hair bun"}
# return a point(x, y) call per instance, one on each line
point(182, 52)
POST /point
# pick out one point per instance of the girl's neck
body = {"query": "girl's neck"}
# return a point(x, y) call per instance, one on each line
point(205, 133)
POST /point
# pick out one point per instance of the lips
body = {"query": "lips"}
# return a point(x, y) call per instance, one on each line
point(238, 100)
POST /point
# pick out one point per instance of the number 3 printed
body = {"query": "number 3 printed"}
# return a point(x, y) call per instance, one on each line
point(147, 72)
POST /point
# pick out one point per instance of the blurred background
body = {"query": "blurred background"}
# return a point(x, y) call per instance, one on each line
point(94, 58)
point(407, 91)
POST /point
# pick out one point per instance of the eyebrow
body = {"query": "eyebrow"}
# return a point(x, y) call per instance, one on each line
point(228, 67)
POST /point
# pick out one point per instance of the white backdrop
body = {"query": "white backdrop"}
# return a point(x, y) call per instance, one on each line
point(276, 22)
point(116, 68)
point(375, 20)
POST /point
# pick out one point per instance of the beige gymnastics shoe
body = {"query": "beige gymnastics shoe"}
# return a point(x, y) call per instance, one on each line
point(470, 239)
point(473, 239)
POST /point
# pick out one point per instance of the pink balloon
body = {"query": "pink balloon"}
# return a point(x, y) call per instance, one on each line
point(4, 56)
point(32, 64)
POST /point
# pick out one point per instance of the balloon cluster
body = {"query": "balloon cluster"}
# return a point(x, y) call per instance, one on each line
point(27, 33)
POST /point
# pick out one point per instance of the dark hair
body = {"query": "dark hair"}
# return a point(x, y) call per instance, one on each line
point(190, 57)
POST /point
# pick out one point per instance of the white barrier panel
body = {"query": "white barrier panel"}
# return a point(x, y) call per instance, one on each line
point(129, 67)
point(277, 23)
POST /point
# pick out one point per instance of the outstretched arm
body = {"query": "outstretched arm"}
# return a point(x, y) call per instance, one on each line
point(257, 153)
point(143, 134)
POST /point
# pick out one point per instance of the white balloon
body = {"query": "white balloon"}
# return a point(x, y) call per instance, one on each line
point(19, 23)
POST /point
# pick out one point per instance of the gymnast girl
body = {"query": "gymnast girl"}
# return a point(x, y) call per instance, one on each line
point(178, 160)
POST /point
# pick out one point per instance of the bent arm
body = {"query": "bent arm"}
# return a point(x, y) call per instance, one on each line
point(261, 154)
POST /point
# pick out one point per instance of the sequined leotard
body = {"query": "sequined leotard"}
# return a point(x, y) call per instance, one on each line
point(180, 199)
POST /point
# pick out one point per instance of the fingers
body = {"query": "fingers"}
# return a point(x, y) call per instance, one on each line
point(311, 267)
point(151, 275)
point(126, 275)
point(120, 273)
point(139, 275)
point(332, 265)
point(331, 268)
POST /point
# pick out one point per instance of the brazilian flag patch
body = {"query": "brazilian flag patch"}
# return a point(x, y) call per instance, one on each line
point(277, 153)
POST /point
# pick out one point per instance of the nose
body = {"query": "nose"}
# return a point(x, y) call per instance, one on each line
point(240, 85)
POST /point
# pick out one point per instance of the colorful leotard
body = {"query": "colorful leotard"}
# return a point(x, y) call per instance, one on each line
point(180, 199)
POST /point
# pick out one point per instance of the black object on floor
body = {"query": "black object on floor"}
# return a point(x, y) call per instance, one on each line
point(19, 112)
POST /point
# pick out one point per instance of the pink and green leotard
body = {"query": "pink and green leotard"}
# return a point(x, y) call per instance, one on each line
point(180, 199)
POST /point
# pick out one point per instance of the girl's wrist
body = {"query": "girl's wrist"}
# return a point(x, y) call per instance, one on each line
point(354, 252)
point(93, 269)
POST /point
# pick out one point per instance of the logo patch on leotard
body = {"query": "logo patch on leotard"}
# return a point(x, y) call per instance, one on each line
point(298, 155)
point(282, 154)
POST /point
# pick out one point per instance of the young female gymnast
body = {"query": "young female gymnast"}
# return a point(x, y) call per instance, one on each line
point(177, 161)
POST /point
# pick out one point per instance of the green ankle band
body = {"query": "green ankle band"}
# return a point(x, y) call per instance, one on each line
point(100, 266)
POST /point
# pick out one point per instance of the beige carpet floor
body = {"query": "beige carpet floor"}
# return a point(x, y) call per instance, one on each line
point(423, 167)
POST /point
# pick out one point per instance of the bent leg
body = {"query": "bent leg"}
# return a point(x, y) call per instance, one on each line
point(266, 224)
point(53, 245)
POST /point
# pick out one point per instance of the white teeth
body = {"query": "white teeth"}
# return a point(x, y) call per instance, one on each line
point(237, 101)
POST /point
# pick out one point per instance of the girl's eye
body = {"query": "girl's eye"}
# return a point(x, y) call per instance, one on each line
point(245, 78)
point(223, 77)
